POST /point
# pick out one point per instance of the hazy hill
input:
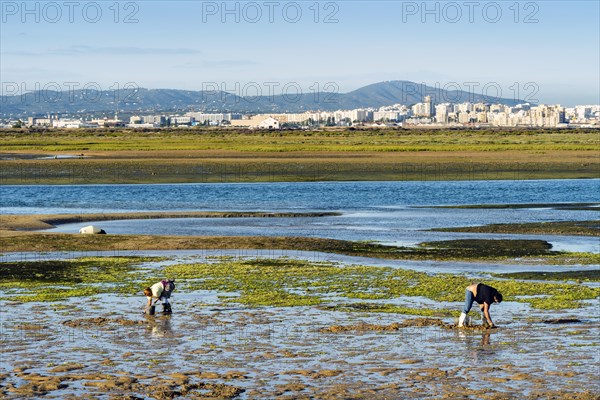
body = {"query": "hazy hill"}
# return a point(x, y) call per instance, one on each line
point(172, 100)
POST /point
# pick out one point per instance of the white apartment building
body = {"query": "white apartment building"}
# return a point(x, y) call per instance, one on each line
point(464, 107)
point(387, 116)
point(32, 121)
point(72, 124)
point(160, 120)
point(143, 125)
point(181, 120)
point(464, 117)
point(361, 115)
point(481, 107)
point(583, 112)
point(424, 109)
point(442, 111)
point(213, 118)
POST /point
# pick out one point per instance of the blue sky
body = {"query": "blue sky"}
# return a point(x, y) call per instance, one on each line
point(548, 51)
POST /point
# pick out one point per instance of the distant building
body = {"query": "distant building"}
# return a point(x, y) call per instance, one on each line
point(441, 113)
point(135, 119)
point(387, 116)
point(464, 107)
point(260, 121)
point(159, 120)
point(464, 117)
point(424, 109)
point(143, 125)
point(147, 121)
point(72, 124)
point(181, 120)
point(213, 119)
point(269, 123)
point(32, 121)
point(107, 122)
point(549, 116)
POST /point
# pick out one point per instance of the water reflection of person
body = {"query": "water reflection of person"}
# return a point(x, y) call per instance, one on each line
point(161, 327)
point(478, 350)
point(485, 339)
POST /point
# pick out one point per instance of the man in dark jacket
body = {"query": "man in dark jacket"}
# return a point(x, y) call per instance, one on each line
point(485, 296)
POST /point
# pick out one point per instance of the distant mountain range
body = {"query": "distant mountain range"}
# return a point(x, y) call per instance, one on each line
point(150, 101)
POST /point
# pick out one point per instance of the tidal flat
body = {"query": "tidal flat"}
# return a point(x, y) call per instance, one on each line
point(287, 316)
point(284, 328)
point(571, 228)
point(502, 250)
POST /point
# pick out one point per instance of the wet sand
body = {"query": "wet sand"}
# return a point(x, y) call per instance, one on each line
point(571, 228)
point(213, 346)
point(12, 222)
point(103, 346)
point(206, 349)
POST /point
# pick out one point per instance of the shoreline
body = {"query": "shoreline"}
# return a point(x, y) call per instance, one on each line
point(589, 228)
point(525, 252)
point(36, 222)
point(20, 233)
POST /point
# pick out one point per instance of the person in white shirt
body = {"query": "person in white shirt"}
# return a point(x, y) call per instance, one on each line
point(160, 291)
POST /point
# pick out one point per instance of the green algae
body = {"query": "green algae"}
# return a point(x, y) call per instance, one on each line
point(485, 248)
point(56, 280)
point(574, 228)
point(276, 298)
point(279, 282)
point(284, 282)
point(390, 308)
point(578, 276)
point(45, 294)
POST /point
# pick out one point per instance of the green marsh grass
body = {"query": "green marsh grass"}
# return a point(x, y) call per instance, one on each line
point(294, 141)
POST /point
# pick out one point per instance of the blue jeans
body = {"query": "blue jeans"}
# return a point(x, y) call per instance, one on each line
point(469, 299)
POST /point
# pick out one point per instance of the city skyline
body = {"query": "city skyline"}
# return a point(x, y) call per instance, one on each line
point(186, 45)
point(424, 114)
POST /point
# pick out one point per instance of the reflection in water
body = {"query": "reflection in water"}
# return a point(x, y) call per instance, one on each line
point(478, 349)
point(160, 326)
point(485, 339)
point(482, 353)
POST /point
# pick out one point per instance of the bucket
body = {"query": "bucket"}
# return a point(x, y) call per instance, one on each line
point(151, 310)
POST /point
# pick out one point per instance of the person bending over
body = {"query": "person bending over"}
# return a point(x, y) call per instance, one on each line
point(161, 291)
point(485, 296)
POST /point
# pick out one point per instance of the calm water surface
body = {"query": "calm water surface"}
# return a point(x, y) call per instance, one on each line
point(388, 212)
point(305, 196)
